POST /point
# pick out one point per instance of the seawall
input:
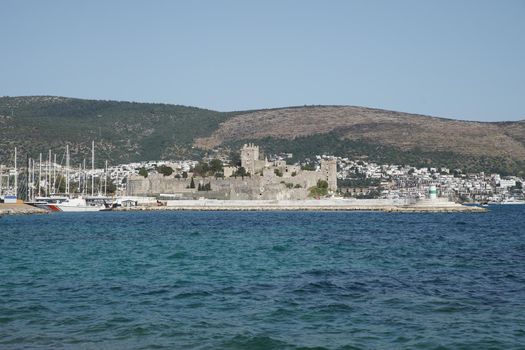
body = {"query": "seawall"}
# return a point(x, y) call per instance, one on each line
point(312, 205)
point(19, 209)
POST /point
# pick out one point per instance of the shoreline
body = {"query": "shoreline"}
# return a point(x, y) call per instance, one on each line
point(348, 209)
point(278, 205)
point(309, 205)
point(20, 209)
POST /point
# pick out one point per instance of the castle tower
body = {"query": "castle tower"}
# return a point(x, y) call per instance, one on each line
point(329, 171)
point(249, 157)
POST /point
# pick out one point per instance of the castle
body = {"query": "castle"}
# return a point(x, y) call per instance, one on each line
point(263, 180)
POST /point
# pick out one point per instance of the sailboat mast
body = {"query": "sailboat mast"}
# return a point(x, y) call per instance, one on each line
point(54, 172)
point(40, 176)
point(32, 175)
point(67, 170)
point(28, 174)
point(16, 177)
point(48, 182)
point(84, 178)
point(32, 180)
point(106, 179)
point(29, 183)
point(92, 167)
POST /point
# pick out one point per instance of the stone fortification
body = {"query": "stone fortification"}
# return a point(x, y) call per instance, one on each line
point(266, 180)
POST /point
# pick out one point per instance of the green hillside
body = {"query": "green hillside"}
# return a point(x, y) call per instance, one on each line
point(123, 131)
point(129, 131)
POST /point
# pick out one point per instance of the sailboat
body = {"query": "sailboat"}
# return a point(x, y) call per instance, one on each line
point(81, 203)
point(11, 194)
point(68, 203)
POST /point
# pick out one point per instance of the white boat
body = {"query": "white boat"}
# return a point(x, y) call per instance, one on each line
point(44, 202)
point(80, 204)
point(512, 200)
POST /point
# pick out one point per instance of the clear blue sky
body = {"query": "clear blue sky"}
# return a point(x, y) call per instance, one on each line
point(457, 59)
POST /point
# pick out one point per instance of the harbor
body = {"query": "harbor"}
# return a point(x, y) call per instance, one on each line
point(256, 184)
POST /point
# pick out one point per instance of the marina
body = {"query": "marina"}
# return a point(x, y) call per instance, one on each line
point(275, 186)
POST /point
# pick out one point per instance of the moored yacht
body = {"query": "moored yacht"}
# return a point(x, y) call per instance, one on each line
point(80, 204)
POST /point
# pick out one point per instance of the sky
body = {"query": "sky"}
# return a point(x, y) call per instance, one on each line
point(454, 59)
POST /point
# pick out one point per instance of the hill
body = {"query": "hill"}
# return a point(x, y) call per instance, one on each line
point(128, 131)
point(123, 131)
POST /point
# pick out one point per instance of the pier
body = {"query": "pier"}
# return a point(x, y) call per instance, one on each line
point(384, 205)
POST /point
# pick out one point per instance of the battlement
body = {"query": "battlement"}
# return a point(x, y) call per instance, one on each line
point(250, 157)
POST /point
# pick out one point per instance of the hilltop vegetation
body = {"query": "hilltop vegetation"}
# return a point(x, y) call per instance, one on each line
point(128, 131)
point(123, 131)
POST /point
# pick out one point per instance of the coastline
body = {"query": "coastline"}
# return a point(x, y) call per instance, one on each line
point(309, 205)
point(19, 209)
point(425, 206)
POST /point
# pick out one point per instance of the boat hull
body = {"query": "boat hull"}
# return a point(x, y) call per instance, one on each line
point(67, 208)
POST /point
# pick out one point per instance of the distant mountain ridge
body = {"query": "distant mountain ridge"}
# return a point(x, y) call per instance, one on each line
point(130, 131)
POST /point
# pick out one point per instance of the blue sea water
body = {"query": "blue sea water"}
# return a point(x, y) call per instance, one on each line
point(263, 280)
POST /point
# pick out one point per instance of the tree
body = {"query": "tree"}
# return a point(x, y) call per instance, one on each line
point(240, 172)
point(184, 174)
point(216, 166)
point(143, 172)
point(322, 184)
point(192, 183)
point(278, 172)
point(321, 189)
point(165, 170)
point(309, 167)
point(201, 169)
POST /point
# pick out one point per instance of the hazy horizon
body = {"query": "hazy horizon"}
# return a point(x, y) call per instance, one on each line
point(460, 60)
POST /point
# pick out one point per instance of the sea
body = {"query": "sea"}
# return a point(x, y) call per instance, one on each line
point(263, 280)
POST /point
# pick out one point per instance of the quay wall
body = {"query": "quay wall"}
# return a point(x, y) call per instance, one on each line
point(390, 205)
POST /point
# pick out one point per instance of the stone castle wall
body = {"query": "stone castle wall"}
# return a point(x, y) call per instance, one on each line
point(263, 183)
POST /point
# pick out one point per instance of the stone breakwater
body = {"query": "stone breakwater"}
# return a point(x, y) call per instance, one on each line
point(19, 209)
point(311, 205)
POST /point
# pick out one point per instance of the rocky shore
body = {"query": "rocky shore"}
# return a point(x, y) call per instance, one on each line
point(19, 209)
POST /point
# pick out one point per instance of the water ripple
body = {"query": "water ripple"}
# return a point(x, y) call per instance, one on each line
point(263, 280)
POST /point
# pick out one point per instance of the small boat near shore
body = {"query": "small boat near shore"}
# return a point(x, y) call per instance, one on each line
point(78, 204)
point(512, 201)
point(81, 204)
point(509, 201)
